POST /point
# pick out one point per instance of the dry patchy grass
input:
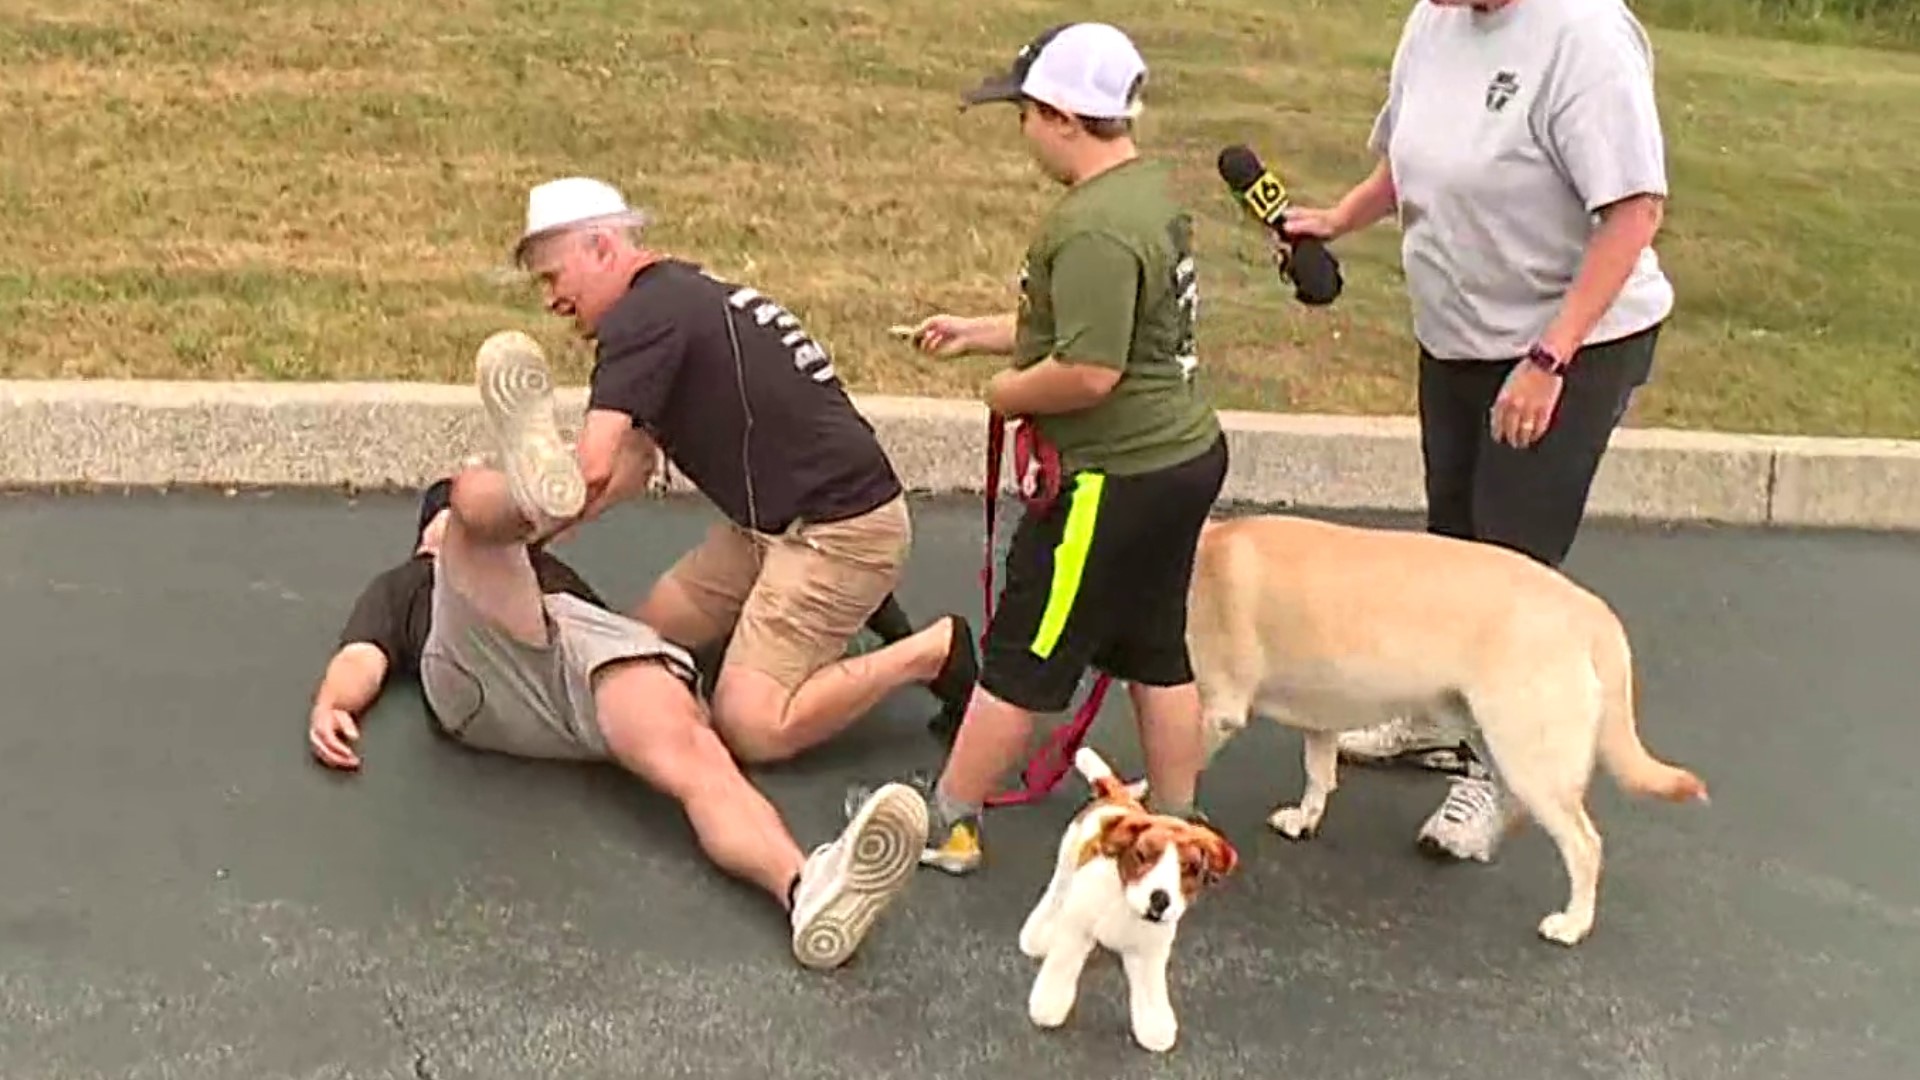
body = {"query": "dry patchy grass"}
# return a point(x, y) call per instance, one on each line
point(303, 189)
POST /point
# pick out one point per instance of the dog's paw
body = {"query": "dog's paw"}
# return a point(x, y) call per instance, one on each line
point(1156, 1031)
point(1564, 929)
point(1049, 1006)
point(1294, 823)
point(1138, 789)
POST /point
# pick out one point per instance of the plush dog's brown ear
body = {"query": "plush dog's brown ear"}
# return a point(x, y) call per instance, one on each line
point(1121, 832)
point(1222, 858)
point(1110, 789)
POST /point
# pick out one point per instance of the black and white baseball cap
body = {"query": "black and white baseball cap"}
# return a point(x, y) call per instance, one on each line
point(1085, 69)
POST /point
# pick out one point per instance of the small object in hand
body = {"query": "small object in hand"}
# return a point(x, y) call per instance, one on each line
point(903, 332)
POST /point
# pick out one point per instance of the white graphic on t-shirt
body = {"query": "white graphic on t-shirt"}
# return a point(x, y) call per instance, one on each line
point(1187, 280)
point(808, 356)
point(1186, 285)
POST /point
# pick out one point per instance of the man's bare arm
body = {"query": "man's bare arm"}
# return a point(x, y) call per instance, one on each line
point(616, 460)
point(353, 679)
point(350, 686)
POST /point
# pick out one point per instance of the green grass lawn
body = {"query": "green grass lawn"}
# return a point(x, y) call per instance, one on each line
point(309, 189)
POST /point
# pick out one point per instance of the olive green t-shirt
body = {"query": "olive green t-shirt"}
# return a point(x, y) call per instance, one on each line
point(1109, 280)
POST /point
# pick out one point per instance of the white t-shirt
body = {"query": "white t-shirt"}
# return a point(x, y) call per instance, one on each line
point(1505, 131)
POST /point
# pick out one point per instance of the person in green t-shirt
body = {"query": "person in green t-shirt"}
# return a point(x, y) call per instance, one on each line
point(1103, 365)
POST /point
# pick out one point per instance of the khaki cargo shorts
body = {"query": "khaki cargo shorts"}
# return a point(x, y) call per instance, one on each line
point(796, 599)
point(491, 691)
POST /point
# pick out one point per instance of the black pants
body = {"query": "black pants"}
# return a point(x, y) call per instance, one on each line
point(1100, 580)
point(1530, 500)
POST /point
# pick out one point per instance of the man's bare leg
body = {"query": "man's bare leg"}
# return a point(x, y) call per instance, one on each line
point(656, 728)
point(1172, 741)
point(764, 722)
point(484, 557)
point(493, 512)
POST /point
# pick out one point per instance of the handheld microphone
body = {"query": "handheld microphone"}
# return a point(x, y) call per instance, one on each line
point(1314, 271)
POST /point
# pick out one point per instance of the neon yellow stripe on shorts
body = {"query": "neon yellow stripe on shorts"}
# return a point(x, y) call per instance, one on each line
point(1069, 561)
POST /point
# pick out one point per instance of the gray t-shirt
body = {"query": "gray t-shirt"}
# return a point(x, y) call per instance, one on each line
point(1505, 131)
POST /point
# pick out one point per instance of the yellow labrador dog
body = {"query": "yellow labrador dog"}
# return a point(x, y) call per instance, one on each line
point(1325, 627)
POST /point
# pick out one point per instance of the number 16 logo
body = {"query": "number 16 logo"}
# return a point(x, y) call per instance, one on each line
point(1267, 197)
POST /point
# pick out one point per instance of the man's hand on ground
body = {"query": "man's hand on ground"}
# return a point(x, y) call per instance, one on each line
point(331, 733)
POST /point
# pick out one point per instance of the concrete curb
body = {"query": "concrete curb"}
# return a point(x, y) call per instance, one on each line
point(387, 435)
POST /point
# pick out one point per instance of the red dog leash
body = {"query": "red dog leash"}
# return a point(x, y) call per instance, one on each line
point(1038, 470)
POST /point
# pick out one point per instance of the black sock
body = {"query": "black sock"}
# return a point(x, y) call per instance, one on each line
point(889, 621)
point(961, 669)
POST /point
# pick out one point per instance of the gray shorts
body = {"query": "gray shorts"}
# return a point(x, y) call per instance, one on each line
point(491, 691)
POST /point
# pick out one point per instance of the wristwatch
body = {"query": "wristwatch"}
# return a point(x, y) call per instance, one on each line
point(1541, 357)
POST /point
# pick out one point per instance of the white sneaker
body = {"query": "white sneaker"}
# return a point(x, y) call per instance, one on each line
point(1468, 824)
point(516, 388)
point(1425, 744)
point(845, 885)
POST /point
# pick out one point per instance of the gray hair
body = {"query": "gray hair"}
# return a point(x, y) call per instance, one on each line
point(629, 228)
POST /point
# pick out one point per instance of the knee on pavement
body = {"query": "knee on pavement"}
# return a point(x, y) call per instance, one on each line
point(750, 713)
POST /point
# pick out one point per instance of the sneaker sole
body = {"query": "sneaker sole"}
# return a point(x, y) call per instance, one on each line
point(1433, 849)
point(1449, 759)
point(887, 837)
point(516, 389)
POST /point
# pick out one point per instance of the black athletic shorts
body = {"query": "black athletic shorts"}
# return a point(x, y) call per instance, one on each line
point(1100, 580)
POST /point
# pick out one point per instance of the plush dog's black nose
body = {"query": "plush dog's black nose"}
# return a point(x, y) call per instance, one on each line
point(1157, 902)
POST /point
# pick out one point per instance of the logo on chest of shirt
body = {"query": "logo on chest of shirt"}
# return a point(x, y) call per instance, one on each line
point(1501, 89)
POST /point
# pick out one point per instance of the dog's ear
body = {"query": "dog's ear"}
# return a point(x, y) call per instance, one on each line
point(1121, 832)
point(1222, 858)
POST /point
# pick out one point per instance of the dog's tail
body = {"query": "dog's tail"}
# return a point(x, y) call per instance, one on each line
point(1635, 769)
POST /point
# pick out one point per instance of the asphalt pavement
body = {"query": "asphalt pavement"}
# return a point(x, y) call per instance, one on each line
point(185, 894)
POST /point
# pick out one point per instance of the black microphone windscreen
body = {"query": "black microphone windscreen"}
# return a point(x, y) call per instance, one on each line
point(1315, 273)
point(1240, 167)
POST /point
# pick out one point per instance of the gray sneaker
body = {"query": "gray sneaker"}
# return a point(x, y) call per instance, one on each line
point(516, 388)
point(1468, 823)
point(846, 884)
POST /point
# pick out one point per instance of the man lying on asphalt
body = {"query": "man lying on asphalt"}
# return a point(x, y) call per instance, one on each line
point(516, 654)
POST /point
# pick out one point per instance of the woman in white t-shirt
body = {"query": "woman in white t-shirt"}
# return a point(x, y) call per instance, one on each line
point(1521, 148)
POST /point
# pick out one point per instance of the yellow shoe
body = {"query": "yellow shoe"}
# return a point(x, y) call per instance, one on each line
point(956, 850)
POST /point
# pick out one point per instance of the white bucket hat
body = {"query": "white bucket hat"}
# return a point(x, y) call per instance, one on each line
point(1085, 69)
point(569, 202)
